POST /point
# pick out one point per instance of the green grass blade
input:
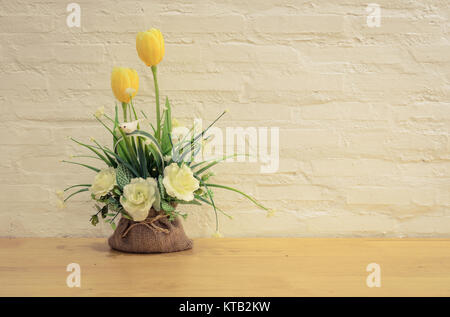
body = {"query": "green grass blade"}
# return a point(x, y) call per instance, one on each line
point(110, 159)
point(78, 185)
point(253, 200)
point(77, 192)
point(93, 150)
point(208, 191)
point(122, 161)
point(81, 164)
point(209, 203)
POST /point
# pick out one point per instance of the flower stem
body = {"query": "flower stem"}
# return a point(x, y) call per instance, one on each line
point(158, 111)
point(124, 108)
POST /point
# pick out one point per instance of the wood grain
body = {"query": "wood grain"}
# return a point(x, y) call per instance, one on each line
point(228, 267)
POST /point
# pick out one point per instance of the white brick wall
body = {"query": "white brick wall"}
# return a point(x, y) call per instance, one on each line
point(363, 112)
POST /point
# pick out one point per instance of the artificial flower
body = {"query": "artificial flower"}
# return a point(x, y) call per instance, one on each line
point(100, 112)
point(60, 204)
point(122, 79)
point(150, 46)
point(180, 182)
point(59, 193)
point(270, 213)
point(139, 196)
point(175, 123)
point(104, 182)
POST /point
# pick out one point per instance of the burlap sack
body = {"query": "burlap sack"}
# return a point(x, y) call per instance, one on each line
point(154, 235)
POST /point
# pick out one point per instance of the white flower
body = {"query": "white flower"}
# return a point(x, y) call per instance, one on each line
point(175, 123)
point(104, 182)
point(270, 213)
point(139, 196)
point(180, 182)
point(60, 204)
point(130, 91)
point(100, 112)
point(59, 193)
point(130, 127)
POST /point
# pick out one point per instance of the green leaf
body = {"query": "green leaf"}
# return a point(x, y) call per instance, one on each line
point(166, 144)
point(161, 187)
point(126, 216)
point(78, 185)
point(210, 194)
point(253, 200)
point(113, 225)
point(206, 176)
point(183, 202)
point(151, 138)
point(153, 147)
point(94, 220)
point(167, 207)
point(104, 211)
point(81, 164)
point(131, 168)
point(123, 176)
point(142, 159)
point(90, 147)
point(109, 158)
point(130, 150)
point(77, 192)
point(209, 203)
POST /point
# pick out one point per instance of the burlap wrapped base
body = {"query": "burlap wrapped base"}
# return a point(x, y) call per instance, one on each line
point(154, 235)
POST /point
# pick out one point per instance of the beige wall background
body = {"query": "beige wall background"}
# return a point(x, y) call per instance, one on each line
point(363, 112)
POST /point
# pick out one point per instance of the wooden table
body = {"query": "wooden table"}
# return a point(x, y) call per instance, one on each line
point(228, 267)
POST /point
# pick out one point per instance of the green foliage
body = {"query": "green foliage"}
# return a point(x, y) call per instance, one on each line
point(162, 190)
point(123, 176)
point(167, 207)
point(94, 220)
point(166, 142)
point(144, 154)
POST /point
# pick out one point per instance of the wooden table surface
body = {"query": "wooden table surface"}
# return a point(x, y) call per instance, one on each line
point(228, 267)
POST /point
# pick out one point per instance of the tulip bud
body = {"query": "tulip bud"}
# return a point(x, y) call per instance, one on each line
point(121, 80)
point(150, 46)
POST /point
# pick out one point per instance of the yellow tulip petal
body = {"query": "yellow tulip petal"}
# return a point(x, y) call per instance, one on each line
point(121, 79)
point(150, 46)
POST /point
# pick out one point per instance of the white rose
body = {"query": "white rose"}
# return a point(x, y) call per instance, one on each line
point(104, 182)
point(139, 196)
point(180, 182)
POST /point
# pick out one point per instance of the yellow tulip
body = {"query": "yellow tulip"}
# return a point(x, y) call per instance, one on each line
point(150, 47)
point(124, 83)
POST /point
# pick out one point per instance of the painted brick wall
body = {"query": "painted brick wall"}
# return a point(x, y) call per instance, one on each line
point(363, 112)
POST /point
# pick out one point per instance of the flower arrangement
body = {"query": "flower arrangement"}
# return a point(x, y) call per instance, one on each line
point(148, 173)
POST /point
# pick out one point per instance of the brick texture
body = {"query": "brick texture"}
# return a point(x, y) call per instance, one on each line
point(363, 113)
